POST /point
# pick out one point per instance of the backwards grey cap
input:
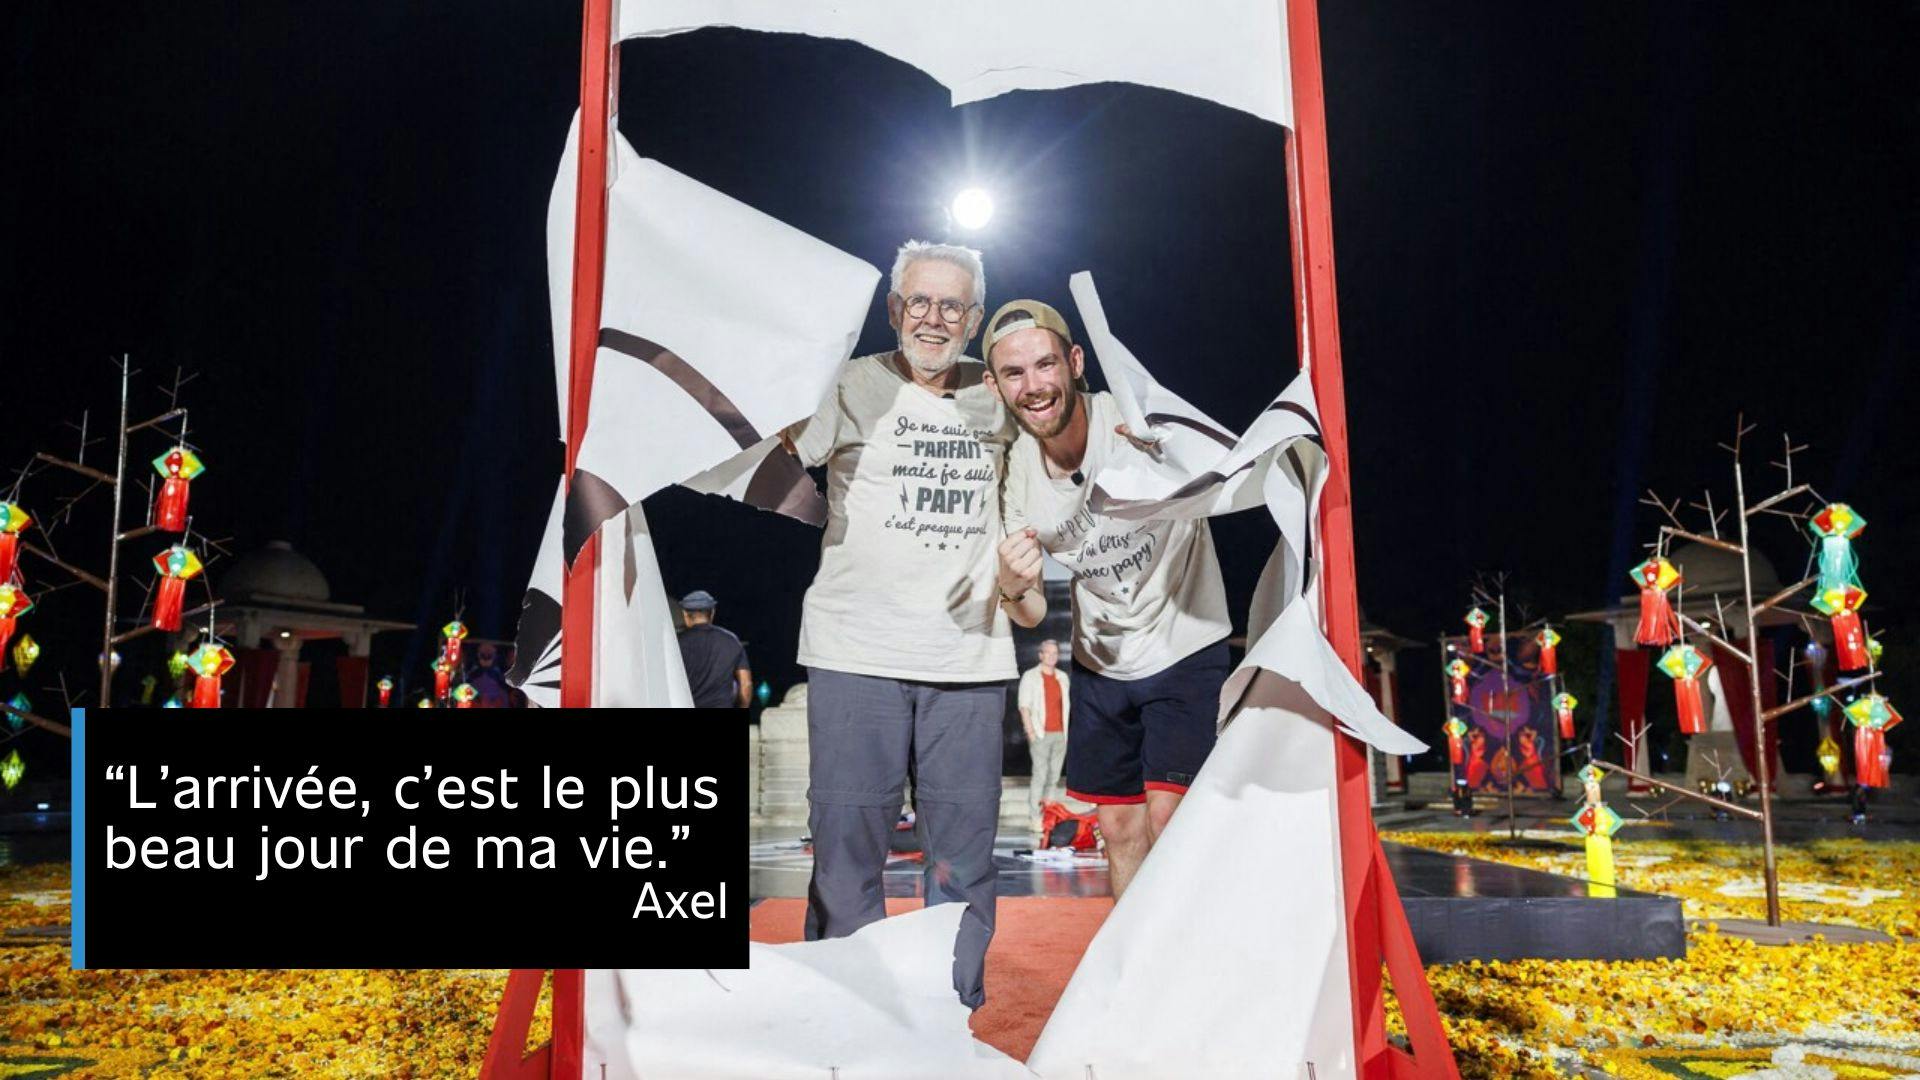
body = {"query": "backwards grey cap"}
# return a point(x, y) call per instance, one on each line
point(698, 600)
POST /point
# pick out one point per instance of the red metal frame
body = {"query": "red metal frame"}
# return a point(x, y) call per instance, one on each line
point(564, 1054)
point(599, 94)
point(1377, 929)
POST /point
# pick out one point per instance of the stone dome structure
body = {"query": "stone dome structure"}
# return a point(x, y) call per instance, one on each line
point(275, 573)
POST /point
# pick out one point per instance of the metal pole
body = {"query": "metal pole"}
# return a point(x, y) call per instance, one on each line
point(1446, 713)
point(1506, 695)
point(599, 94)
point(1753, 687)
point(113, 547)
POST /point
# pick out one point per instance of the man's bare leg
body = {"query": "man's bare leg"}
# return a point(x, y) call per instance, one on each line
point(1130, 830)
point(1160, 808)
point(1125, 828)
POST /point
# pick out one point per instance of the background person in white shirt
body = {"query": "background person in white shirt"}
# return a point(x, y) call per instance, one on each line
point(1044, 707)
point(907, 651)
point(1149, 605)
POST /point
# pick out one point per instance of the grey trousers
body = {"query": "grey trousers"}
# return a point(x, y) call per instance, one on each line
point(1049, 757)
point(865, 735)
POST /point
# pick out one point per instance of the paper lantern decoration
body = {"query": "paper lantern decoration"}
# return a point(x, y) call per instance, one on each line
point(1456, 740)
point(442, 678)
point(385, 686)
point(1829, 755)
point(208, 663)
point(1549, 642)
point(1476, 630)
point(1457, 672)
point(1817, 671)
point(1842, 608)
point(177, 566)
point(177, 468)
point(172, 703)
point(13, 604)
point(1563, 706)
point(18, 705)
point(12, 521)
point(764, 692)
point(1597, 819)
point(1684, 664)
point(1874, 649)
point(12, 769)
point(453, 634)
point(1658, 624)
point(177, 665)
point(464, 696)
point(1873, 716)
point(423, 703)
point(25, 652)
point(1836, 525)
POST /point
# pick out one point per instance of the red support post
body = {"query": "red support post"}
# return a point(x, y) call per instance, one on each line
point(1377, 930)
point(599, 95)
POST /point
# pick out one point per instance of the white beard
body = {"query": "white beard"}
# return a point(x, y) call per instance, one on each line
point(931, 364)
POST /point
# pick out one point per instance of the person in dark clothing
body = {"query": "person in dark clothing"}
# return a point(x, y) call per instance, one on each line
point(717, 670)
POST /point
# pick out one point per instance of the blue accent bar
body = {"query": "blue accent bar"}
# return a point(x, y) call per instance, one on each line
point(79, 839)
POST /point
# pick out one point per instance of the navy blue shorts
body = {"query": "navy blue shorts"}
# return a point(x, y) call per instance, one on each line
point(1126, 737)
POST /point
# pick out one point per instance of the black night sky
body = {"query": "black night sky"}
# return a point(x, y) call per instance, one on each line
point(1574, 241)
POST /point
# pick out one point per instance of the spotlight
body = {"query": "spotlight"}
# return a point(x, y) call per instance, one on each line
point(972, 208)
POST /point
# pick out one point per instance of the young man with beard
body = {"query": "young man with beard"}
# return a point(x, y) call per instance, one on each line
point(906, 647)
point(1149, 606)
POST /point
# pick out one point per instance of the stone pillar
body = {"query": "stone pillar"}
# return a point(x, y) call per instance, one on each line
point(1395, 772)
point(783, 760)
point(286, 677)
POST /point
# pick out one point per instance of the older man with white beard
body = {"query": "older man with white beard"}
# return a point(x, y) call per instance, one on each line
point(902, 632)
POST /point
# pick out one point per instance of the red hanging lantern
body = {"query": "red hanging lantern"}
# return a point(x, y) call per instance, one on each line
point(1684, 664)
point(1870, 756)
point(1563, 706)
point(177, 468)
point(1842, 606)
point(208, 662)
point(1548, 640)
point(1658, 624)
point(385, 686)
point(13, 604)
point(453, 635)
point(1873, 716)
point(1476, 631)
point(12, 521)
point(1457, 672)
point(177, 566)
point(1456, 740)
point(464, 696)
point(442, 678)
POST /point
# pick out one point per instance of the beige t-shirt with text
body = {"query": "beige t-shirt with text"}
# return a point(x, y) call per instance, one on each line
point(906, 585)
point(1146, 594)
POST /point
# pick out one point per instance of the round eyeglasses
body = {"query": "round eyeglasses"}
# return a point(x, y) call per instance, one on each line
point(951, 311)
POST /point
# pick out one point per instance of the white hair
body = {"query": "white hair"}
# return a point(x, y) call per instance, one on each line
point(965, 258)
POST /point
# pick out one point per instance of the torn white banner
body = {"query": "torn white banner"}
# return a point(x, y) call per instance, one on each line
point(1199, 469)
point(1247, 872)
point(878, 1005)
point(720, 326)
point(636, 655)
point(1232, 52)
